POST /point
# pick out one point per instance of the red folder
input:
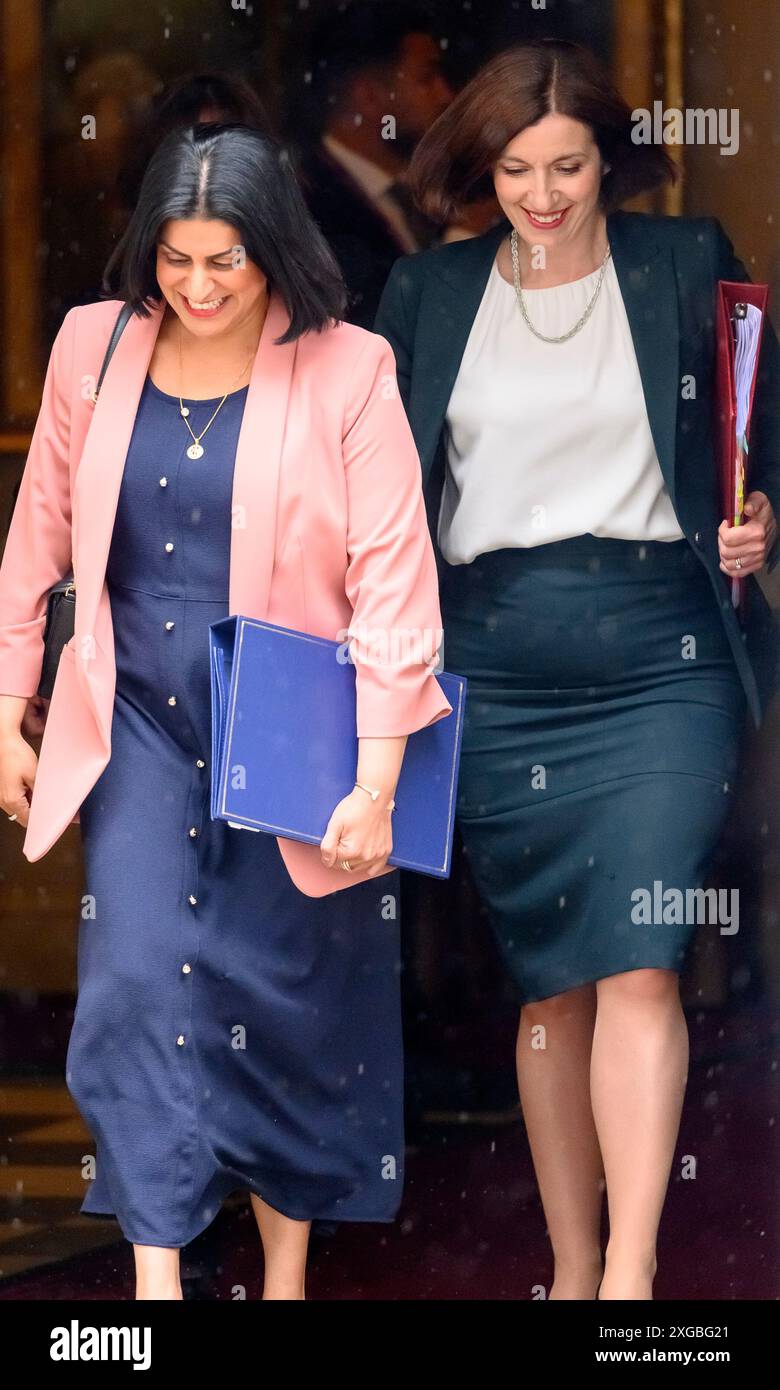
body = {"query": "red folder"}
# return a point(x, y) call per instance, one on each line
point(730, 459)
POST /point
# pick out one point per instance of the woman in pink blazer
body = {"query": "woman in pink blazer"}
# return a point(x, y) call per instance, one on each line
point(238, 1021)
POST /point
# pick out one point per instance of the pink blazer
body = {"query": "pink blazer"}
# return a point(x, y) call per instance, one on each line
point(329, 533)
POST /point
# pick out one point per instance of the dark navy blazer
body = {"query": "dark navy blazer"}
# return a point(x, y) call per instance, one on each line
point(667, 269)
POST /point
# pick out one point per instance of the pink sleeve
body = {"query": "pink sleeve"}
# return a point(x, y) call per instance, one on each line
point(38, 549)
point(391, 578)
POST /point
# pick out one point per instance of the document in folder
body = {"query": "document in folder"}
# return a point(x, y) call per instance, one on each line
point(284, 745)
point(740, 311)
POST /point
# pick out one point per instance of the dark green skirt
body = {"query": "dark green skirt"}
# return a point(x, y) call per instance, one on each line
point(601, 742)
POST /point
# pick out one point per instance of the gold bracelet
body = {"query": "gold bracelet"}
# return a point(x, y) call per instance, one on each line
point(374, 793)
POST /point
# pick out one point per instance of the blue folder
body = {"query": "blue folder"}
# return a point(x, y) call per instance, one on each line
point(284, 745)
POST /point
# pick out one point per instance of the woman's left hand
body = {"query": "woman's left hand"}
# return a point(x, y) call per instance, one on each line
point(359, 831)
point(749, 542)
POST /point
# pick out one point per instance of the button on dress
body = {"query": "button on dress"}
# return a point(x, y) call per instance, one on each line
point(231, 1032)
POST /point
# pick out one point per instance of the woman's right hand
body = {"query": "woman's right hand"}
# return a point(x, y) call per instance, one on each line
point(18, 765)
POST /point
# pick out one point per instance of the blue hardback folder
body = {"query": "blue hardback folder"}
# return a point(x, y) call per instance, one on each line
point(284, 745)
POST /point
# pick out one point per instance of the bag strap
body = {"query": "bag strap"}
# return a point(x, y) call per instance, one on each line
point(123, 318)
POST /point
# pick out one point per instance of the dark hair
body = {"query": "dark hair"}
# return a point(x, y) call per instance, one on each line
point(181, 102)
point(362, 35)
point(242, 177)
point(195, 97)
point(453, 161)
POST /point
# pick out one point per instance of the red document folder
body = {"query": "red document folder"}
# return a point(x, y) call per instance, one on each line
point(729, 456)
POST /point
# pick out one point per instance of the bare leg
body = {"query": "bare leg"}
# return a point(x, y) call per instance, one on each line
point(554, 1083)
point(639, 1067)
point(285, 1243)
point(157, 1272)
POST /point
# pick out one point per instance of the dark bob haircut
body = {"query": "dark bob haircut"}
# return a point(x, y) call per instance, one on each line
point(452, 164)
point(241, 176)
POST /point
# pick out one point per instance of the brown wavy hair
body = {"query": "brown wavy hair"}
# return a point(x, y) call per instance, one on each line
point(452, 164)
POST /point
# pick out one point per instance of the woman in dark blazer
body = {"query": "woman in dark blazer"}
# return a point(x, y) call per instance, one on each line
point(558, 377)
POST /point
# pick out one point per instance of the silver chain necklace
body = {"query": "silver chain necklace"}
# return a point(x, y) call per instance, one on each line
point(518, 291)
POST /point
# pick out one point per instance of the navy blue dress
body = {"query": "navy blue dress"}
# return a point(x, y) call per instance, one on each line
point(231, 1033)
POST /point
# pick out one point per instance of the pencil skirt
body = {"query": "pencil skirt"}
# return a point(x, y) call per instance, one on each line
point(601, 743)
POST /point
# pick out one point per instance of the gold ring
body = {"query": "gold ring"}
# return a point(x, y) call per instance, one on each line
point(738, 563)
point(345, 864)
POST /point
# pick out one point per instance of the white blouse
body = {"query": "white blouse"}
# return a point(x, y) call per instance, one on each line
point(549, 440)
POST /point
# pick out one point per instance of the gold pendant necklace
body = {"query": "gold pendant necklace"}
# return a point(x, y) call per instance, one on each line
point(196, 449)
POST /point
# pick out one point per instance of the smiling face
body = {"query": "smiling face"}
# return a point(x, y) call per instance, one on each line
point(210, 287)
point(547, 180)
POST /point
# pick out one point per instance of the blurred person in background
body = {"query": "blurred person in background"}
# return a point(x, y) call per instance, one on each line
point(370, 64)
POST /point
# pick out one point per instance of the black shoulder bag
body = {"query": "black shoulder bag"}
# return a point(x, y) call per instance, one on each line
point(61, 604)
